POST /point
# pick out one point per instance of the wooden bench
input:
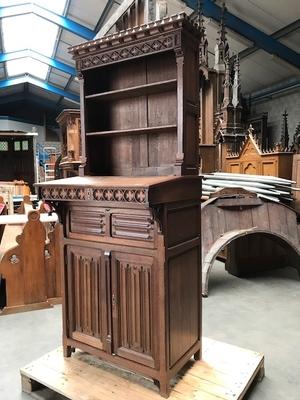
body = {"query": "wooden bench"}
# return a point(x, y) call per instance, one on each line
point(30, 262)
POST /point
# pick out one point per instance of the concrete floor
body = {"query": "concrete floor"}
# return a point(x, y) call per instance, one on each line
point(259, 313)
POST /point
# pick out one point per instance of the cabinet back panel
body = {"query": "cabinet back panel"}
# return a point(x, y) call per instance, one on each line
point(162, 109)
point(161, 67)
point(162, 149)
point(114, 77)
point(128, 113)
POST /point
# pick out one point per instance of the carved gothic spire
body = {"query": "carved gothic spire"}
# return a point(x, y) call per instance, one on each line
point(296, 139)
point(284, 140)
point(227, 84)
point(236, 95)
point(203, 47)
point(221, 48)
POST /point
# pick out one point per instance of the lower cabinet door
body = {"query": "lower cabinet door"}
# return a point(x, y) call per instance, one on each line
point(132, 307)
point(88, 297)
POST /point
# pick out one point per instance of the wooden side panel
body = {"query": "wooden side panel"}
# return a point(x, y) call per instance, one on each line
point(269, 168)
point(184, 303)
point(132, 303)
point(178, 229)
point(32, 251)
point(296, 178)
point(191, 108)
point(87, 296)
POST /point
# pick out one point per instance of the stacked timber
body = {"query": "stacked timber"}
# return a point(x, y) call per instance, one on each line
point(268, 187)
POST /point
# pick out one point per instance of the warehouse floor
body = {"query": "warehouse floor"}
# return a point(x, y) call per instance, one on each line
point(259, 313)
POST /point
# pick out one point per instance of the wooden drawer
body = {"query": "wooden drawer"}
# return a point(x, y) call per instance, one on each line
point(130, 226)
point(87, 221)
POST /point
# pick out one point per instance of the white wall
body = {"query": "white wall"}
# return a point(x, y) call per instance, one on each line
point(10, 125)
point(275, 107)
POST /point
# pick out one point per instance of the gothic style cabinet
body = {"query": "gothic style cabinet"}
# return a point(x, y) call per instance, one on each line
point(132, 271)
point(132, 263)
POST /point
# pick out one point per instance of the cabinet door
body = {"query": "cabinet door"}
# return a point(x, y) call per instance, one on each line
point(88, 296)
point(132, 305)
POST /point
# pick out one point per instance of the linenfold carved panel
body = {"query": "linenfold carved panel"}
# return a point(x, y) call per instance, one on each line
point(86, 277)
point(87, 221)
point(134, 302)
point(132, 226)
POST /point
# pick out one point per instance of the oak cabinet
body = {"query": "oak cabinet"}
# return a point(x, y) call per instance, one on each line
point(132, 270)
point(132, 266)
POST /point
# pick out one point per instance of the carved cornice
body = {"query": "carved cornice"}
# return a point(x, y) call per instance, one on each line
point(150, 46)
point(135, 42)
point(103, 194)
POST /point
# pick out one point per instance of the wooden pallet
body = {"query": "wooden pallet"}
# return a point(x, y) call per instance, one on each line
point(225, 372)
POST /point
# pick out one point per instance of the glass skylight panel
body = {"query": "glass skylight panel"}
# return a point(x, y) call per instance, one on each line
point(56, 6)
point(38, 34)
point(27, 65)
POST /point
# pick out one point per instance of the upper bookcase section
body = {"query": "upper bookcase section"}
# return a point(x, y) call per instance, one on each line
point(140, 99)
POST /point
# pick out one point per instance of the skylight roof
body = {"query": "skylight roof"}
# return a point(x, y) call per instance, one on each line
point(31, 66)
point(29, 31)
point(56, 6)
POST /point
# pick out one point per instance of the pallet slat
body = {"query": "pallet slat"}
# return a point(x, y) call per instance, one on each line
point(225, 372)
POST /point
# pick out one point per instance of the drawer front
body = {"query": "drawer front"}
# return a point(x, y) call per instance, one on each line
point(138, 227)
point(87, 221)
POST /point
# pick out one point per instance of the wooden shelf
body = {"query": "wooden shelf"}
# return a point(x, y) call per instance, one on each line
point(151, 129)
point(135, 91)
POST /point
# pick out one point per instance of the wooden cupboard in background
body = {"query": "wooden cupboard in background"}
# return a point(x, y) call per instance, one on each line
point(253, 160)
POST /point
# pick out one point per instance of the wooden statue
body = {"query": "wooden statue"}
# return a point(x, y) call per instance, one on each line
point(69, 121)
point(31, 269)
point(132, 272)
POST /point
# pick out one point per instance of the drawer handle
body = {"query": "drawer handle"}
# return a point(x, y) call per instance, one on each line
point(113, 300)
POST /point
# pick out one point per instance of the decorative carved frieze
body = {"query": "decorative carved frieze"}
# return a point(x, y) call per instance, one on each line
point(150, 38)
point(125, 195)
point(138, 49)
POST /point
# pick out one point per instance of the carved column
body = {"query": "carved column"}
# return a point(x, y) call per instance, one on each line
point(180, 108)
point(82, 119)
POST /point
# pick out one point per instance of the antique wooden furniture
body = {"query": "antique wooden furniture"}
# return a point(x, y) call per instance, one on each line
point(69, 122)
point(231, 217)
point(132, 277)
point(296, 178)
point(253, 160)
point(29, 263)
point(221, 127)
point(140, 100)
point(296, 165)
point(3, 211)
point(132, 262)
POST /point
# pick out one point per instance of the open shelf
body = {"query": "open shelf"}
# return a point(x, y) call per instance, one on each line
point(151, 129)
point(141, 90)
